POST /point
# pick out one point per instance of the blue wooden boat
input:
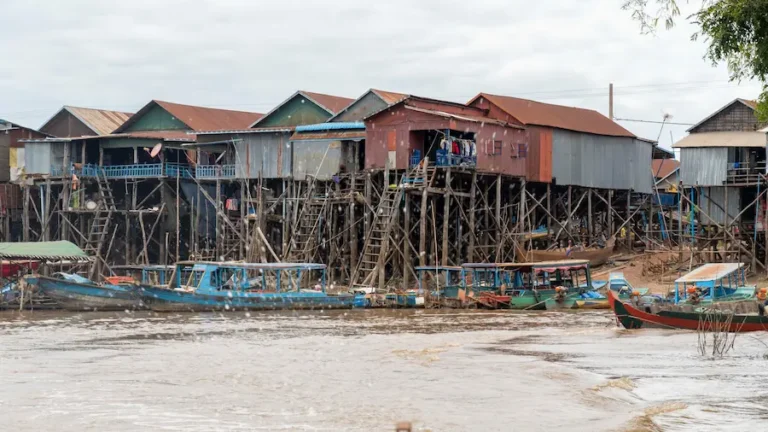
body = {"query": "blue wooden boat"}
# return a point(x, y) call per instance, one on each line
point(76, 293)
point(234, 286)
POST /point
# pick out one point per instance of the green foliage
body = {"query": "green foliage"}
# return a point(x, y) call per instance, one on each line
point(736, 32)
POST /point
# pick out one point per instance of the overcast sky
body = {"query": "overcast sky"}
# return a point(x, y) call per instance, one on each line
point(250, 55)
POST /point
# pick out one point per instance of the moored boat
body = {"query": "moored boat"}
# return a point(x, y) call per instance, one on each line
point(232, 286)
point(595, 256)
point(702, 318)
point(714, 283)
point(76, 293)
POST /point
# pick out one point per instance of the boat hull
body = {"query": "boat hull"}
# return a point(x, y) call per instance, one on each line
point(595, 257)
point(167, 300)
point(86, 297)
point(631, 317)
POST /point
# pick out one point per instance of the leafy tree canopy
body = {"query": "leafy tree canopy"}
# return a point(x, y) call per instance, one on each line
point(736, 32)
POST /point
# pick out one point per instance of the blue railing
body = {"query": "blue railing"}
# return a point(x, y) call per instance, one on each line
point(179, 170)
point(148, 170)
point(215, 171)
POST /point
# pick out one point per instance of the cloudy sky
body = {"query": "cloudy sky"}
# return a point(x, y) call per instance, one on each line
point(252, 54)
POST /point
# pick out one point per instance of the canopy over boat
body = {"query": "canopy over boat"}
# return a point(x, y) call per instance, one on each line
point(256, 266)
point(538, 267)
point(43, 251)
point(710, 272)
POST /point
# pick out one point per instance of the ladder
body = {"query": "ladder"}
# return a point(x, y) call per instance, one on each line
point(230, 241)
point(97, 234)
point(304, 242)
point(376, 247)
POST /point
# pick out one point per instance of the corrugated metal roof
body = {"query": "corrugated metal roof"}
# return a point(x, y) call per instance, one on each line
point(710, 272)
point(556, 116)
point(332, 104)
point(245, 131)
point(334, 135)
point(750, 103)
point(461, 117)
point(101, 121)
point(178, 136)
point(50, 250)
point(199, 118)
point(390, 98)
point(722, 139)
point(330, 126)
point(664, 167)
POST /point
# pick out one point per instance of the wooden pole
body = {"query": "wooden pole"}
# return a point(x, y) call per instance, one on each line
point(497, 216)
point(549, 215)
point(570, 211)
point(407, 243)
point(25, 210)
point(590, 227)
point(472, 212)
point(446, 215)
point(423, 228)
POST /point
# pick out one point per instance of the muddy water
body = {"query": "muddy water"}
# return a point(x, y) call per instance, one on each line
point(366, 370)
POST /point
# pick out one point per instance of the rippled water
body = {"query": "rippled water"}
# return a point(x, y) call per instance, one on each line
point(365, 370)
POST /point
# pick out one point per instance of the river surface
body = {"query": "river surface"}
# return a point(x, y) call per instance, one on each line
point(365, 370)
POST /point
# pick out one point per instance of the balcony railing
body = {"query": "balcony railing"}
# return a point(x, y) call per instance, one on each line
point(179, 170)
point(744, 172)
point(445, 159)
point(215, 171)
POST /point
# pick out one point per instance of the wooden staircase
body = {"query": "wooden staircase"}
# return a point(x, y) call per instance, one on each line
point(229, 249)
point(304, 238)
point(102, 217)
point(376, 249)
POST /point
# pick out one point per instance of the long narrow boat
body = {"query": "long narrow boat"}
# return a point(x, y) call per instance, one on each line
point(76, 293)
point(714, 283)
point(595, 256)
point(630, 317)
point(232, 286)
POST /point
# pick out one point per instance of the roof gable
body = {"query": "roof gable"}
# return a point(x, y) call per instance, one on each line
point(662, 168)
point(92, 121)
point(737, 115)
point(162, 115)
point(295, 110)
point(371, 101)
point(530, 112)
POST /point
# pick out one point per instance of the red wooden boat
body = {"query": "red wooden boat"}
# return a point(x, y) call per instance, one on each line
point(630, 317)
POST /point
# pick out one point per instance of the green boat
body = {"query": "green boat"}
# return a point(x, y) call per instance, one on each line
point(714, 283)
point(532, 286)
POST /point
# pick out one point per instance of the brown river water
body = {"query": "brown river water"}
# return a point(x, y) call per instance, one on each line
point(365, 370)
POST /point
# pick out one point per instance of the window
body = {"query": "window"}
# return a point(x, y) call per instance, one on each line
point(522, 150)
point(493, 148)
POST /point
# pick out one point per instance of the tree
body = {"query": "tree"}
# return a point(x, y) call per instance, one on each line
point(736, 32)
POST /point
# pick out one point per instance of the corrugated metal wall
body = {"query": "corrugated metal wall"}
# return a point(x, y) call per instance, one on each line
point(5, 161)
point(704, 166)
point(37, 158)
point(712, 203)
point(268, 153)
point(308, 154)
point(598, 161)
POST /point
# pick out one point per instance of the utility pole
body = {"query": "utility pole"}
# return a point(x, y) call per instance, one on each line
point(610, 101)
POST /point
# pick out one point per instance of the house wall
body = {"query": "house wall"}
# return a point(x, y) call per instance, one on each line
point(37, 158)
point(156, 118)
point(539, 163)
point(712, 202)
point(308, 154)
point(10, 148)
point(598, 161)
point(400, 131)
point(361, 109)
point(705, 166)
point(65, 125)
point(268, 153)
point(298, 111)
point(737, 117)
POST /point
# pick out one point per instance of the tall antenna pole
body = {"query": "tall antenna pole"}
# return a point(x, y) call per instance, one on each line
point(610, 101)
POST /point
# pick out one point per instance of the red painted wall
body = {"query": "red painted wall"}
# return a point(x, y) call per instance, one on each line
point(404, 130)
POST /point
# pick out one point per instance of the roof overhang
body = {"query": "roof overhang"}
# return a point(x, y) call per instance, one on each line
point(722, 139)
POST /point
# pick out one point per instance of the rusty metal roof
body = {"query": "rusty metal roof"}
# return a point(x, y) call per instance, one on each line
point(203, 118)
point(390, 98)
point(535, 113)
point(662, 168)
point(710, 272)
point(172, 135)
point(332, 104)
point(98, 120)
point(199, 118)
point(461, 117)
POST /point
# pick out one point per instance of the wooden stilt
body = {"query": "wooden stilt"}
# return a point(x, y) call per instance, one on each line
point(446, 216)
point(407, 263)
point(472, 213)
